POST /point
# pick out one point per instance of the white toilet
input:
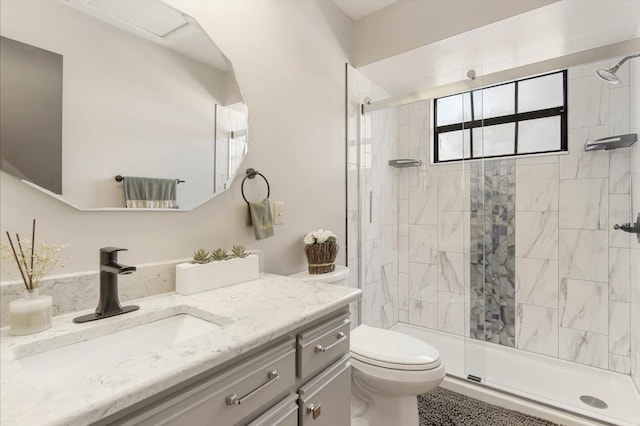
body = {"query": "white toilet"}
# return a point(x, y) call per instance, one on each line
point(389, 370)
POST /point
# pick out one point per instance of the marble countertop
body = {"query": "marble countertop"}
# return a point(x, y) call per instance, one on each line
point(249, 314)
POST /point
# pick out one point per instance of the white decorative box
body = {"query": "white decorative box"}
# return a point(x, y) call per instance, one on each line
point(193, 277)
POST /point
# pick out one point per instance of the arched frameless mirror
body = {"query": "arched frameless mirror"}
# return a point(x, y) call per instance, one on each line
point(93, 89)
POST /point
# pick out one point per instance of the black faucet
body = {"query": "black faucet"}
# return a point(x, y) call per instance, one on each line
point(109, 303)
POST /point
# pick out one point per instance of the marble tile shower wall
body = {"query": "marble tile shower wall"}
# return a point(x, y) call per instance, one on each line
point(434, 217)
point(372, 202)
point(634, 281)
point(572, 270)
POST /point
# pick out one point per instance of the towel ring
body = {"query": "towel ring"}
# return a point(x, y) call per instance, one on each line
point(251, 174)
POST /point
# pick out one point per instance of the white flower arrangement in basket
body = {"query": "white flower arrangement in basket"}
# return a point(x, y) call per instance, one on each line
point(321, 250)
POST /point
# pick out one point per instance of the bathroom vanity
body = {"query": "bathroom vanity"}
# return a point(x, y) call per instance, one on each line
point(272, 351)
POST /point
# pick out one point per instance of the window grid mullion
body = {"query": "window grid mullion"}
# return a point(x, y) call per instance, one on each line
point(515, 118)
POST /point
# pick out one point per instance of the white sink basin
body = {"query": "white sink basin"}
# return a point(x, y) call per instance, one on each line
point(56, 366)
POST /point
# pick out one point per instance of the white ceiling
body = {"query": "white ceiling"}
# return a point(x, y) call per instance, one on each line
point(559, 29)
point(356, 9)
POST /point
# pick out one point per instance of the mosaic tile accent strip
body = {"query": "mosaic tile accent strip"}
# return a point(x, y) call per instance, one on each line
point(492, 254)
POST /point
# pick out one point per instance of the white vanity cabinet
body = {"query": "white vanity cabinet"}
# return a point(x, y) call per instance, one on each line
point(304, 380)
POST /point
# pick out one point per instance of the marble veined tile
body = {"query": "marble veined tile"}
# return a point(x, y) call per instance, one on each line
point(451, 313)
point(423, 243)
point(619, 98)
point(583, 347)
point(584, 203)
point(537, 282)
point(423, 205)
point(620, 171)
point(537, 187)
point(537, 329)
point(537, 235)
point(403, 315)
point(584, 255)
point(619, 324)
point(450, 270)
point(451, 231)
point(423, 314)
point(578, 163)
point(584, 305)
point(619, 213)
point(619, 274)
point(589, 100)
point(451, 191)
point(403, 217)
point(403, 141)
point(372, 262)
point(403, 291)
point(423, 282)
point(403, 254)
point(373, 300)
point(619, 363)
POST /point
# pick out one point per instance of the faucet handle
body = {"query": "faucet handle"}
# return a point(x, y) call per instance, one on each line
point(111, 249)
point(110, 253)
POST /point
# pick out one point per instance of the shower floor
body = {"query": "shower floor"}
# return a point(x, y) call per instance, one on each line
point(548, 380)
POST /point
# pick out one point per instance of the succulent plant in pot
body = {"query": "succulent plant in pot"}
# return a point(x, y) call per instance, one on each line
point(219, 254)
point(239, 251)
point(201, 256)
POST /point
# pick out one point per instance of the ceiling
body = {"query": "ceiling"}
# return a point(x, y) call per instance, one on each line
point(356, 9)
point(559, 29)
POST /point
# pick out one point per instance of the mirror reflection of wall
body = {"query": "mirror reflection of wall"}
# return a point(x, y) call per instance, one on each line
point(31, 113)
point(231, 142)
point(134, 104)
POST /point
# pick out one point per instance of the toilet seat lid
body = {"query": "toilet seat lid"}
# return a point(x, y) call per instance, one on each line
point(390, 349)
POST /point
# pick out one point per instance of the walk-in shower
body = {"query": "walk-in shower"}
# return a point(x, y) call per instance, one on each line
point(509, 265)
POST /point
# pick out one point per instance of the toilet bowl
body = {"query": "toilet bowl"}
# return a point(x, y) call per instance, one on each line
point(389, 369)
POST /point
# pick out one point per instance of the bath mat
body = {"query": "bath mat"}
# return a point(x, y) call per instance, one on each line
point(442, 407)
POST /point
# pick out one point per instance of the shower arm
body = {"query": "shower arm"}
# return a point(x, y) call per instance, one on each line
point(623, 60)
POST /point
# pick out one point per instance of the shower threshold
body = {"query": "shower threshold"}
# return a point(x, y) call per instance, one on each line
point(534, 379)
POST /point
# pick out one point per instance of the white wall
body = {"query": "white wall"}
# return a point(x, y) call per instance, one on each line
point(289, 58)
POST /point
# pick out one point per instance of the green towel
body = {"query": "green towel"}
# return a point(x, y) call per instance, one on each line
point(143, 192)
point(260, 218)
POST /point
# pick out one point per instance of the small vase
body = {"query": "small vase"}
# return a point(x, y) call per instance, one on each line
point(30, 314)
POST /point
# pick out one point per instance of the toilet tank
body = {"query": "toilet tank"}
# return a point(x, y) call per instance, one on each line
point(340, 276)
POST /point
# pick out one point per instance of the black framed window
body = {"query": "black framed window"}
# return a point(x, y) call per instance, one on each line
point(522, 117)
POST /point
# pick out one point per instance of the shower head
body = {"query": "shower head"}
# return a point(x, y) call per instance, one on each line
point(609, 76)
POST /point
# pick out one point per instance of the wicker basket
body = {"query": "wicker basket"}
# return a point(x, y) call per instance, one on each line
point(321, 257)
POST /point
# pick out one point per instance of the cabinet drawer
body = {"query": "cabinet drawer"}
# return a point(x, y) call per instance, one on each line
point(229, 397)
point(326, 400)
point(321, 345)
point(285, 413)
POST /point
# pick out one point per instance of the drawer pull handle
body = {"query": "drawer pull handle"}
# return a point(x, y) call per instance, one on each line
point(234, 400)
point(340, 336)
point(316, 411)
